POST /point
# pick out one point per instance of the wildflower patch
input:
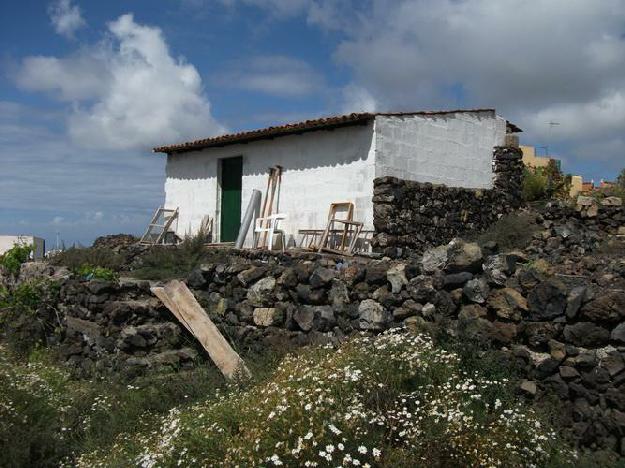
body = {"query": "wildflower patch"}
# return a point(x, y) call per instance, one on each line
point(391, 400)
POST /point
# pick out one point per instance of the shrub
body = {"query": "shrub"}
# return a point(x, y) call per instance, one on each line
point(166, 262)
point(96, 272)
point(27, 313)
point(45, 416)
point(512, 231)
point(620, 180)
point(391, 400)
point(543, 183)
point(76, 258)
point(534, 184)
point(13, 258)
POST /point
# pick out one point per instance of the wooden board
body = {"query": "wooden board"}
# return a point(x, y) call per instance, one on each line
point(181, 302)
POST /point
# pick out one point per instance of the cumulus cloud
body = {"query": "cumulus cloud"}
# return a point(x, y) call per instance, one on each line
point(66, 18)
point(535, 61)
point(127, 91)
point(57, 186)
point(82, 76)
point(275, 75)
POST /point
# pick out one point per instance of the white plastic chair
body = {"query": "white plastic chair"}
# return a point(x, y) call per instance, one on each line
point(270, 225)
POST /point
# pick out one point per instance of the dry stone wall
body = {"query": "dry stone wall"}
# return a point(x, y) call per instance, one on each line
point(118, 326)
point(409, 216)
point(562, 322)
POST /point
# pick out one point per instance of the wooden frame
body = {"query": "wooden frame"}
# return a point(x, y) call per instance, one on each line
point(349, 225)
point(148, 236)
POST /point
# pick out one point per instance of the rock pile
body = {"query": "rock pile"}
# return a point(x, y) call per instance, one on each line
point(114, 242)
point(569, 234)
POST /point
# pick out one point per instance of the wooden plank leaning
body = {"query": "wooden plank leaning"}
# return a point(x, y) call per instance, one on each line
point(180, 301)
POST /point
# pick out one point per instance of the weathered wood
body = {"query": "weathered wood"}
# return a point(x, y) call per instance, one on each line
point(177, 298)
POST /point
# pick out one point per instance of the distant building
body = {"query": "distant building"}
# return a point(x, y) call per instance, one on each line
point(606, 184)
point(39, 244)
point(531, 160)
point(577, 186)
point(588, 186)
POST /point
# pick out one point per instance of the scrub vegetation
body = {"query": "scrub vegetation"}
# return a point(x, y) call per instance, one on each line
point(393, 400)
point(13, 258)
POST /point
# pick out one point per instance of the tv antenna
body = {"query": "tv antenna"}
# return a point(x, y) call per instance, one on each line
point(551, 124)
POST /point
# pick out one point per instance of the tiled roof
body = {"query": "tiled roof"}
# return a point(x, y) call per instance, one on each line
point(301, 127)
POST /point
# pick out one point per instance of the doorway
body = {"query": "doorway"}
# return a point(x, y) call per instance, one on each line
point(231, 181)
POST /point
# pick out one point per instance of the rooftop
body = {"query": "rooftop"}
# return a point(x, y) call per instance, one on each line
point(324, 123)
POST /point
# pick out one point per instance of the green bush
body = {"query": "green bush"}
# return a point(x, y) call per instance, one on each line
point(96, 272)
point(535, 184)
point(544, 183)
point(27, 313)
point(13, 258)
point(46, 417)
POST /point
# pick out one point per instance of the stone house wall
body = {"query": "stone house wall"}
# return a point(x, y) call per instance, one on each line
point(410, 216)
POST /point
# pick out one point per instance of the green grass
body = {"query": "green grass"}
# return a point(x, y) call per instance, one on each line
point(45, 416)
point(397, 399)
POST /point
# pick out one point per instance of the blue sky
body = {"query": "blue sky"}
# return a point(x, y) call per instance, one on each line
point(88, 87)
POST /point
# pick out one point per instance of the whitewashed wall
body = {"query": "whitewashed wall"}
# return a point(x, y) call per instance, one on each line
point(320, 167)
point(451, 149)
point(8, 242)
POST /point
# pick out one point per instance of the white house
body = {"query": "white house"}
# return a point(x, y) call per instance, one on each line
point(38, 244)
point(329, 160)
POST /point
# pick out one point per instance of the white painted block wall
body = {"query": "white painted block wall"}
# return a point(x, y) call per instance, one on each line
point(8, 242)
point(328, 166)
point(319, 168)
point(451, 149)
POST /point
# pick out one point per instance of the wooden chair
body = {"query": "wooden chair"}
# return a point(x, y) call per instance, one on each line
point(348, 225)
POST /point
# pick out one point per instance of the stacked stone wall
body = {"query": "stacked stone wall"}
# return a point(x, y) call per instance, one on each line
point(410, 216)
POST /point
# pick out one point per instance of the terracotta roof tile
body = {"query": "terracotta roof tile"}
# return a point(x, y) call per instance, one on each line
point(301, 127)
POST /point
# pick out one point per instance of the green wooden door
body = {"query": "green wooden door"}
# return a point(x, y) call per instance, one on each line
point(231, 176)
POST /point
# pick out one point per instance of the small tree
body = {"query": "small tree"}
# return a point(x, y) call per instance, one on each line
point(13, 258)
point(620, 180)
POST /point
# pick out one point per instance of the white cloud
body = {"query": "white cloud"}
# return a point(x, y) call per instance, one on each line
point(126, 91)
point(81, 76)
point(66, 18)
point(58, 186)
point(275, 75)
point(358, 99)
point(534, 60)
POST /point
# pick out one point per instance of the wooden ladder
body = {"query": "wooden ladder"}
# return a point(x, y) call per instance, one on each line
point(157, 229)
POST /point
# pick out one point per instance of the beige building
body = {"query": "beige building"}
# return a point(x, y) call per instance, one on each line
point(577, 186)
point(531, 160)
